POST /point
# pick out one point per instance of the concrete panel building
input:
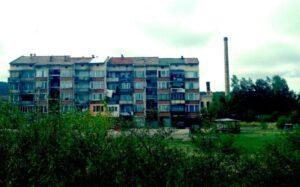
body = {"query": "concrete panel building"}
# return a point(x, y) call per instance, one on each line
point(164, 91)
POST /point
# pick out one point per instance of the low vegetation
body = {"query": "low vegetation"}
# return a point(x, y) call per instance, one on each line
point(76, 149)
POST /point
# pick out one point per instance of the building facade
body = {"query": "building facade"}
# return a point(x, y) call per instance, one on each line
point(162, 90)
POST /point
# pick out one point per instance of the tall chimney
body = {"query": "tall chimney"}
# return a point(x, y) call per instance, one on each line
point(226, 63)
point(208, 87)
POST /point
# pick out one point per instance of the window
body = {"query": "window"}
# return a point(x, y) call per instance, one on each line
point(164, 97)
point(66, 73)
point(191, 85)
point(66, 108)
point(113, 109)
point(41, 84)
point(65, 84)
point(14, 74)
point(192, 108)
point(162, 85)
point(97, 73)
point(139, 85)
point(164, 73)
point(125, 86)
point(97, 85)
point(126, 98)
point(139, 96)
point(27, 74)
point(14, 86)
point(82, 97)
point(83, 73)
point(15, 98)
point(96, 96)
point(112, 86)
point(192, 96)
point(66, 95)
point(98, 108)
point(177, 96)
point(191, 74)
point(139, 74)
point(82, 85)
point(41, 97)
point(139, 108)
point(178, 108)
point(28, 86)
point(163, 108)
point(127, 109)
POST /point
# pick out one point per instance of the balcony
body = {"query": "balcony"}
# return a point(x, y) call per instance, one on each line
point(82, 79)
point(125, 102)
point(175, 102)
point(82, 89)
point(177, 90)
point(112, 79)
point(27, 91)
point(13, 79)
point(27, 79)
point(27, 103)
point(126, 113)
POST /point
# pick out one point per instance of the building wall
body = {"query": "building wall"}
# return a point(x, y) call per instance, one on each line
point(144, 88)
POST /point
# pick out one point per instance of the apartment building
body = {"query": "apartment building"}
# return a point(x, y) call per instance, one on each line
point(147, 89)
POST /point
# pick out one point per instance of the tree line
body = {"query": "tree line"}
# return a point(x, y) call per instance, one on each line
point(264, 99)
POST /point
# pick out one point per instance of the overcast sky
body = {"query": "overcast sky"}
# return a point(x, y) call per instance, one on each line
point(264, 35)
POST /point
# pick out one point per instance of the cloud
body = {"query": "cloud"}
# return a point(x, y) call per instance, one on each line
point(273, 58)
point(177, 36)
point(183, 7)
point(270, 55)
point(287, 17)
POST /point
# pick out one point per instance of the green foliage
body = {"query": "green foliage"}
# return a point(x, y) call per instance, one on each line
point(263, 125)
point(77, 149)
point(264, 99)
point(282, 120)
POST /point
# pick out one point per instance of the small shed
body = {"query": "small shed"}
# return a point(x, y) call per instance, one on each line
point(227, 125)
point(288, 126)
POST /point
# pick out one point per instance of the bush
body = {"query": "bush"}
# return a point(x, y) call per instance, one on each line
point(76, 149)
point(263, 125)
point(282, 120)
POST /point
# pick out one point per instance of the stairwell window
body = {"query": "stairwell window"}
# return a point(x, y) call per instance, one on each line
point(97, 73)
point(66, 84)
point(139, 96)
point(164, 73)
point(97, 85)
point(191, 74)
point(162, 85)
point(163, 108)
point(96, 96)
point(191, 96)
point(125, 85)
point(139, 74)
point(138, 85)
point(191, 85)
point(139, 108)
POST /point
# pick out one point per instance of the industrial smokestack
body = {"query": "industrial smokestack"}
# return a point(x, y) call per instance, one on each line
point(208, 87)
point(226, 63)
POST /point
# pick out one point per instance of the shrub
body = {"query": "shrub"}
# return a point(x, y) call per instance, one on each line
point(263, 125)
point(282, 120)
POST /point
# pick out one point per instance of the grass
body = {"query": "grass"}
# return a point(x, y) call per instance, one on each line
point(252, 139)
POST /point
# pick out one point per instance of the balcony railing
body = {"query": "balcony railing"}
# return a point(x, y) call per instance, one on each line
point(112, 79)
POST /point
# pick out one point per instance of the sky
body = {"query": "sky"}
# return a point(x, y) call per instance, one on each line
point(264, 35)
